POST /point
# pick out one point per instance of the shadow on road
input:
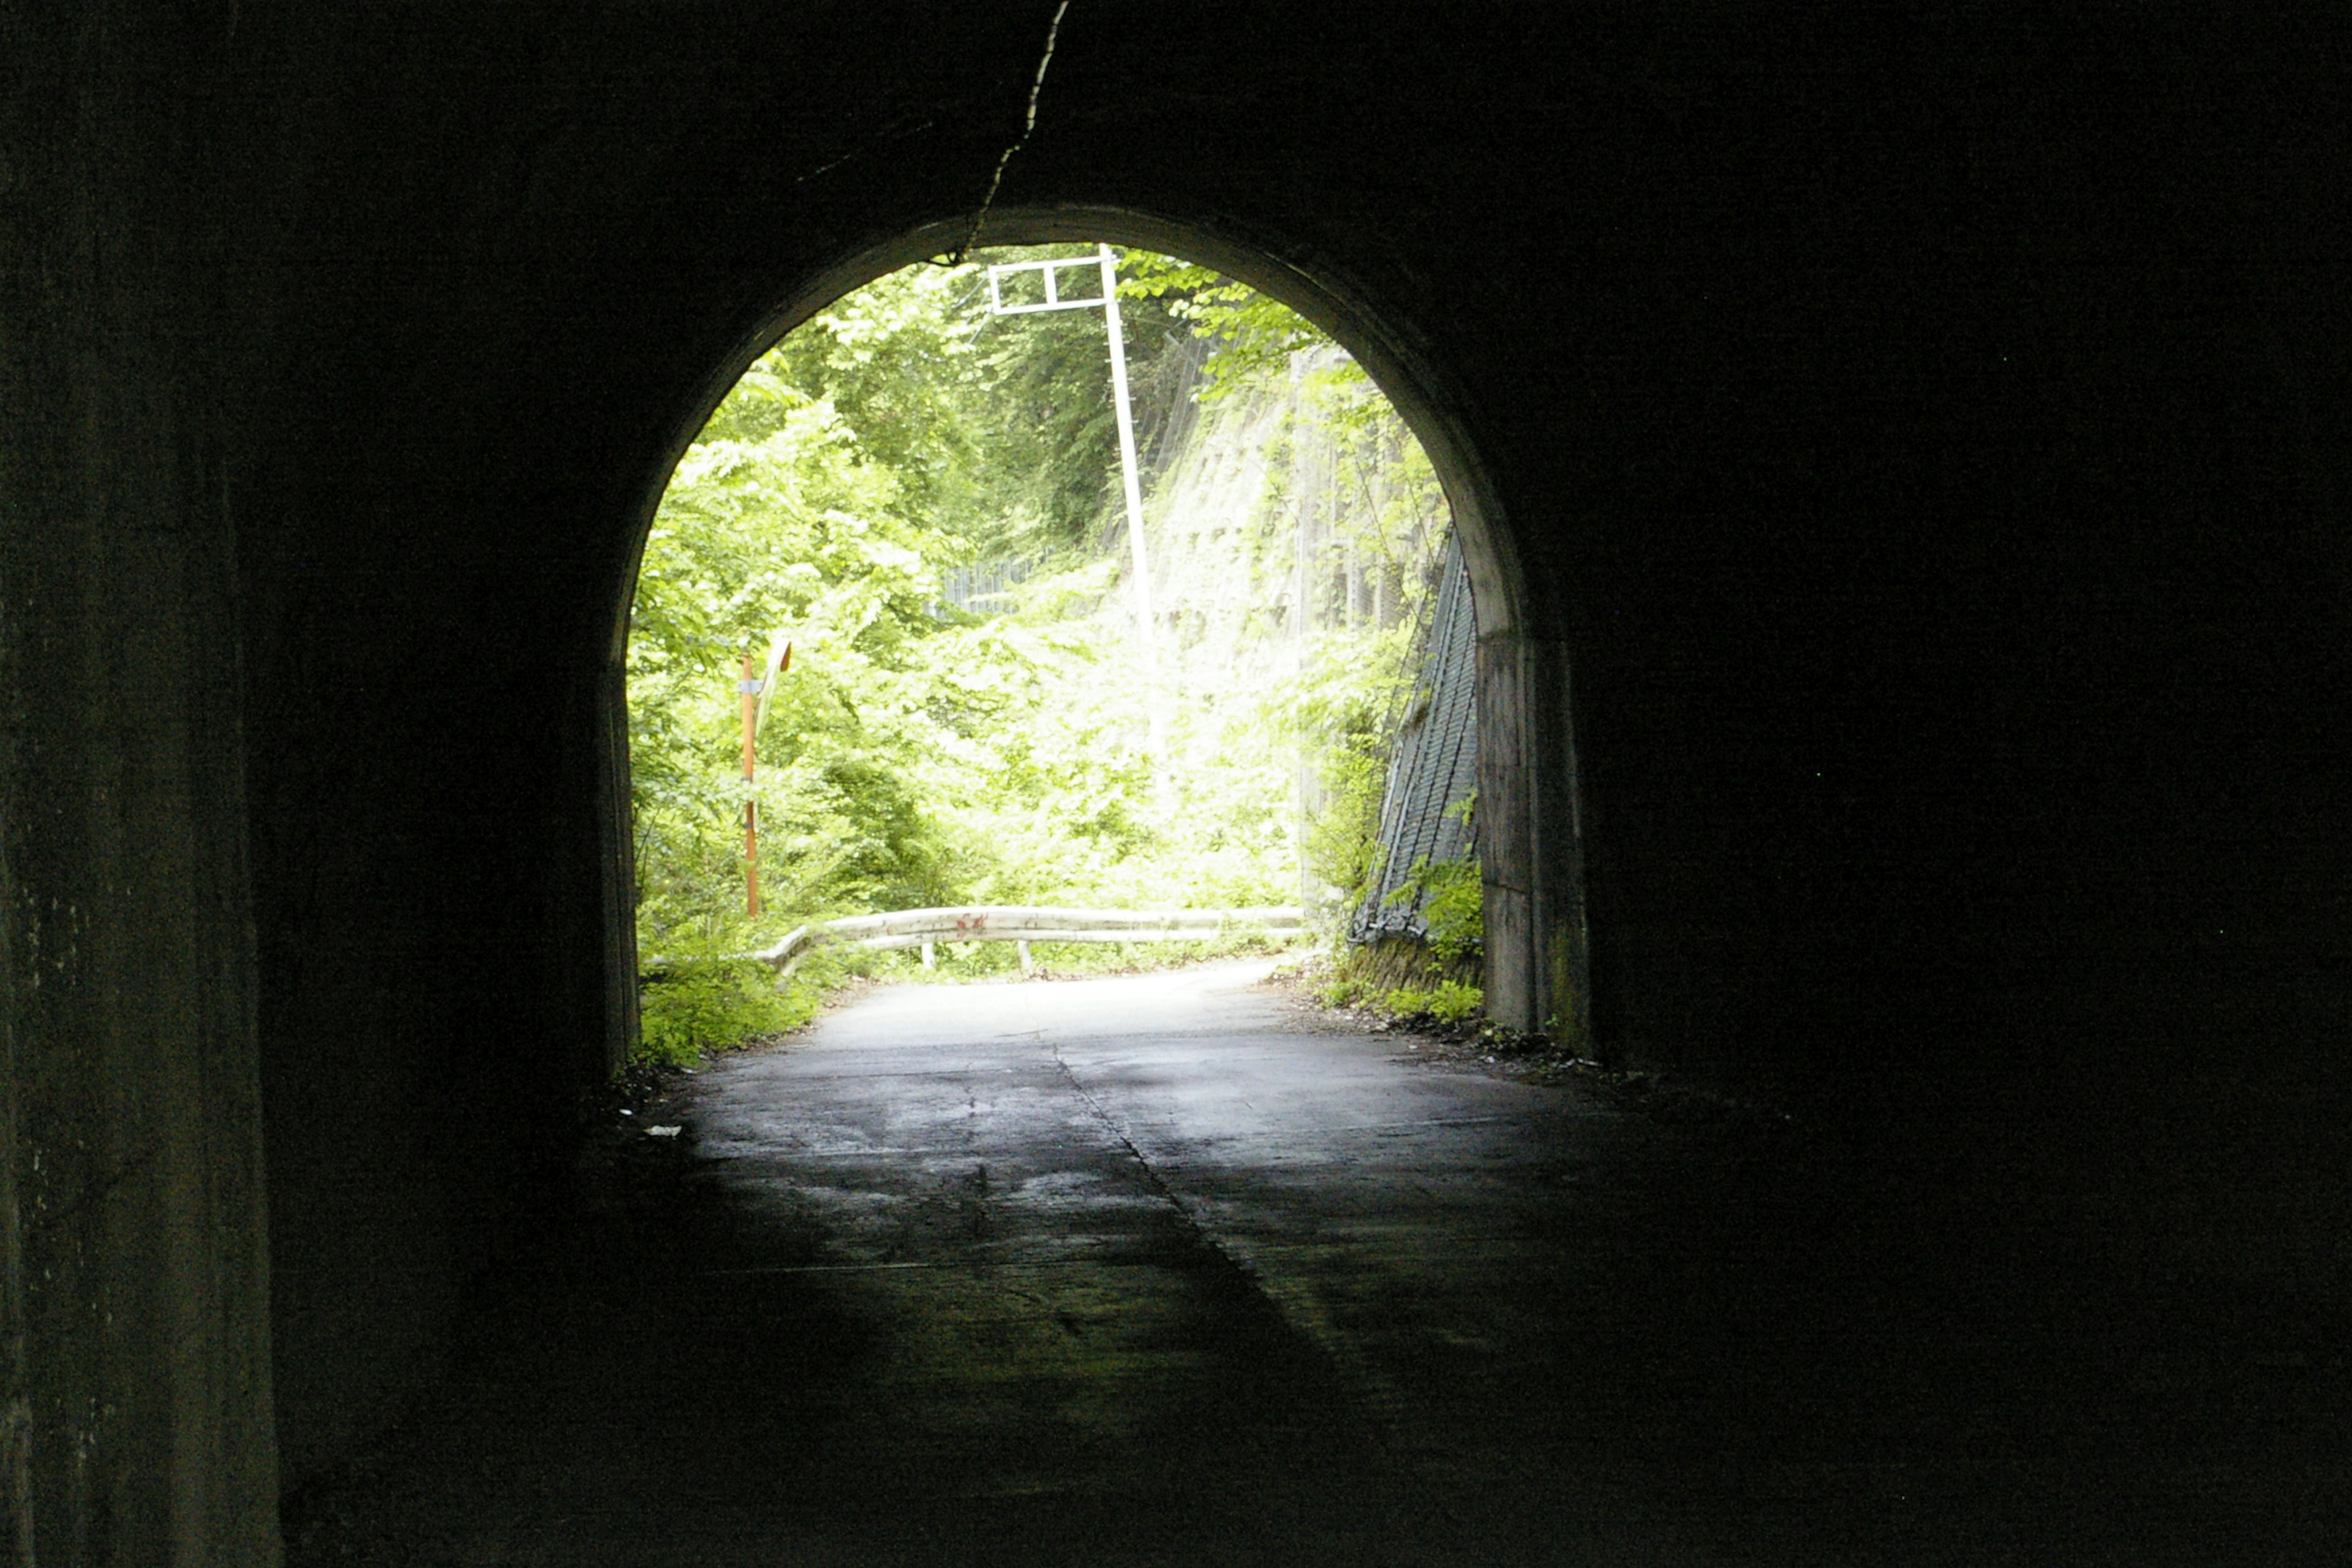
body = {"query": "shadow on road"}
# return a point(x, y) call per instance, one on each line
point(1153, 1270)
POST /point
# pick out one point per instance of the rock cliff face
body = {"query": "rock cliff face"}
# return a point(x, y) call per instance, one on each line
point(1924, 441)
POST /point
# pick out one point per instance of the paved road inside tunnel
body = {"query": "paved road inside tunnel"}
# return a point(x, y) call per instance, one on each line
point(1154, 1270)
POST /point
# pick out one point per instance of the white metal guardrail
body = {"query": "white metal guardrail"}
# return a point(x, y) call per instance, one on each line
point(1022, 924)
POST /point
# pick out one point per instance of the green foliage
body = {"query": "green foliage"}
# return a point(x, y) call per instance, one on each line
point(1455, 910)
point(1450, 1002)
point(780, 521)
point(915, 754)
point(699, 1005)
point(1342, 842)
point(701, 995)
point(1451, 900)
point(1254, 333)
point(999, 429)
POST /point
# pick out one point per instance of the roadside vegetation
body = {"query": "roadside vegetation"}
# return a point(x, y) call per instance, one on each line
point(922, 499)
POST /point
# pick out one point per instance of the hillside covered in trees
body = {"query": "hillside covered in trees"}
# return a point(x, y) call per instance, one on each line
point(923, 499)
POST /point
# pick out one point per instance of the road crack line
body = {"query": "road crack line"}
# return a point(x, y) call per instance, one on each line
point(1381, 1402)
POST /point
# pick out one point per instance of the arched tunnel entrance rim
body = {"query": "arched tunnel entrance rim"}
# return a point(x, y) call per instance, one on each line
point(1529, 840)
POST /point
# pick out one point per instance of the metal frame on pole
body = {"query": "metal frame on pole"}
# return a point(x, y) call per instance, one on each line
point(1131, 483)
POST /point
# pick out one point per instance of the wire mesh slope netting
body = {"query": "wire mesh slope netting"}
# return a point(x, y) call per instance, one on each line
point(1433, 767)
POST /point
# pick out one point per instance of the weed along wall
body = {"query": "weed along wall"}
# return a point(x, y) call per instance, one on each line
point(1900, 466)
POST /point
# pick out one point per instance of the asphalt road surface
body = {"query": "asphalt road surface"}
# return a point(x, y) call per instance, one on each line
point(1154, 1270)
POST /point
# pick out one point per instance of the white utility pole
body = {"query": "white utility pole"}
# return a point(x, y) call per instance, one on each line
point(1130, 482)
point(1147, 641)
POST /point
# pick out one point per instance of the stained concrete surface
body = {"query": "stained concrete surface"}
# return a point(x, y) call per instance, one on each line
point(1167, 1270)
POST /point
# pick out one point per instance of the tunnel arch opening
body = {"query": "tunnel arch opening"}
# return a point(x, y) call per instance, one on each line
point(1537, 946)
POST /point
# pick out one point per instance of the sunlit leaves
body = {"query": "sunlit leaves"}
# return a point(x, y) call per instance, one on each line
point(1254, 333)
point(915, 754)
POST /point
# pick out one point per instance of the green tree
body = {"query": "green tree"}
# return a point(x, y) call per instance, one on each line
point(917, 754)
point(1254, 334)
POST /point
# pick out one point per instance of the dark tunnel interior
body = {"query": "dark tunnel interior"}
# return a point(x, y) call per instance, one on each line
point(1905, 461)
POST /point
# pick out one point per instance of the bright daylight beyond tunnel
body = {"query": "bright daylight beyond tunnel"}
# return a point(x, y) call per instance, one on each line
point(895, 582)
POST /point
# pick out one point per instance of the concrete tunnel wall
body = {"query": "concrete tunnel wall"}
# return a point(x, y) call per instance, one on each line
point(1924, 440)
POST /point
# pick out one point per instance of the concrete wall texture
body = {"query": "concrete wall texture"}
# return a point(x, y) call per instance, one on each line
point(1923, 435)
